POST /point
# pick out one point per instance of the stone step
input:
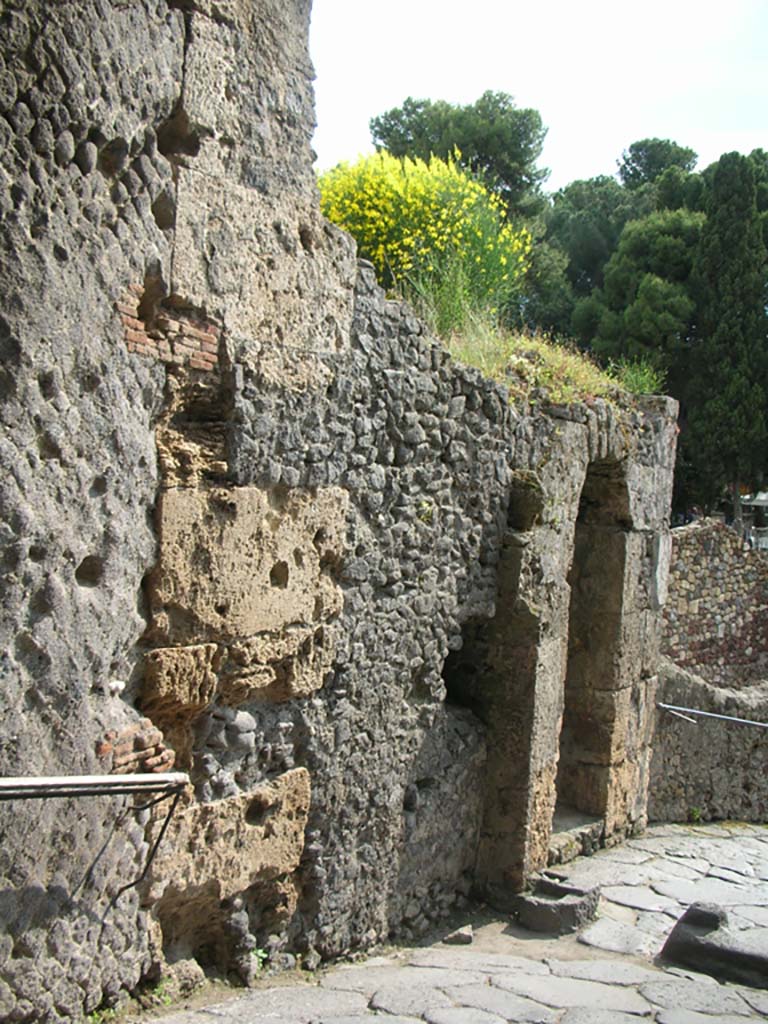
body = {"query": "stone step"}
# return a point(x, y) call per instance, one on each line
point(573, 835)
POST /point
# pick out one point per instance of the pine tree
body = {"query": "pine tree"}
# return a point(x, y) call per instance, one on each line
point(727, 437)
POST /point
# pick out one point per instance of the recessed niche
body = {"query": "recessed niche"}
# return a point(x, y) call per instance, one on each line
point(90, 571)
point(258, 810)
point(278, 575)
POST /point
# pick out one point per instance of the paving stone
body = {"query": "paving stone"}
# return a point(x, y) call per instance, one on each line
point(361, 1019)
point(566, 992)
point(409, 1002)
point(640, 897)
point(627, 855)
point(617, 937)
point(294, 1003)
point(728, 875)
point(687, 867)
point(692, 1017)
point(591, 1016)
point(461, 1015)
point(616, 912)
point(670, 993)
point(612, 972)
point(658, 925)
point(506, 1004)
point(371, 979)
point(755, 915)
point(756, 999)
point(712, 890)
point(472, 960)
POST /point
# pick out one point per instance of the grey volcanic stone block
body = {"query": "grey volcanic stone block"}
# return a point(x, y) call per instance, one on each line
point(701, 939)
point(556, 907)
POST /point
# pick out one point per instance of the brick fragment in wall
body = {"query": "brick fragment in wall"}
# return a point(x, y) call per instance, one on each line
point(177, 337)
point(138, 748)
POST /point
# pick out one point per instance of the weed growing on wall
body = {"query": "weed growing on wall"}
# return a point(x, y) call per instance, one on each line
point(432, 231)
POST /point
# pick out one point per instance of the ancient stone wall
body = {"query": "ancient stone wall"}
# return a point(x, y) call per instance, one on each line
point(709, 769)
point(248, 501)
point(716, 618)
point(716, 639)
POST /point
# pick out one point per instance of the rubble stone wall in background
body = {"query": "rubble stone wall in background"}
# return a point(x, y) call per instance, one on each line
point(716, 642)
point(716, 618)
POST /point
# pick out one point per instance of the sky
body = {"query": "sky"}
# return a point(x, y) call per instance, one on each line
point(602, 73)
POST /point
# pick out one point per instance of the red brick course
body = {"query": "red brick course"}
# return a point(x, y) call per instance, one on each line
point(174, 336)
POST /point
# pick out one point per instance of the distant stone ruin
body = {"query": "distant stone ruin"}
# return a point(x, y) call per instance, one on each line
point(384, 619)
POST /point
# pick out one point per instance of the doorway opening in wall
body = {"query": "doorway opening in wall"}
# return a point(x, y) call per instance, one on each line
point(592, 700)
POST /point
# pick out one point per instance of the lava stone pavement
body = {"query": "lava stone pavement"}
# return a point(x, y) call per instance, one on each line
point(606, 975)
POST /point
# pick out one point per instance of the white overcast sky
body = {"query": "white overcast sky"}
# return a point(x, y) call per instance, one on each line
point(602, 73)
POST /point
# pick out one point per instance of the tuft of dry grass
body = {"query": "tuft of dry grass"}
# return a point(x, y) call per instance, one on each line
point(534, 366)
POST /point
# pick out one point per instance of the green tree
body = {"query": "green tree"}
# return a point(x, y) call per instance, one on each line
point(645, 308)
point(645, 161)
point(726, 433)
point(585, 222)
point(494, 139)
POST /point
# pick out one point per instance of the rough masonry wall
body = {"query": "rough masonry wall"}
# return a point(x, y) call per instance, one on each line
point(716, 640)
point(716, 619)
point(711, 770)
point(250, 502)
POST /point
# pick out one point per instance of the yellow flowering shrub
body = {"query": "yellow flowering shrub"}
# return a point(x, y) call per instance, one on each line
point(427, 225)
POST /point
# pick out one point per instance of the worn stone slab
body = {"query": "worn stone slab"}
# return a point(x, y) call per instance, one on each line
point(703, 939)
point(506, 1004)
point(617, 912)
point(361, 1019)
point(567, 992)
point(640, 897)
point(688, 868)
point(294, 1003)
point(693, 1017)
point(657, 925)
point(617, 937)
point(756, 999)
point(461, 1015)
point(473, 960)
point(755, 915)
point(612, 972)
point(626, 855)
point(670, 993)
point(371, 979)
point(591, 1016)
point(712, 890)
point(409, 1002)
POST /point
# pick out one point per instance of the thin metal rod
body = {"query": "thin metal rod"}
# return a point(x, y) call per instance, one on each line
point(710, 714)
point(150, 858)
point(47, 788)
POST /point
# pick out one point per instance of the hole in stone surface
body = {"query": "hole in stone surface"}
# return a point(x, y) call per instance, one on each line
point(154, 292)
point(98, 487)
point(46, 382)
point(113, 157)
point(320, 538)
point(37, 553)
point(60, 253)
point(298, 558)
point(164, 210)
point(278, 575)
point(221, 609)
point(176, 138)
point(306, 237)
point(48, 448)
point(90, 571)
point(40, 603)
point(259, 810)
